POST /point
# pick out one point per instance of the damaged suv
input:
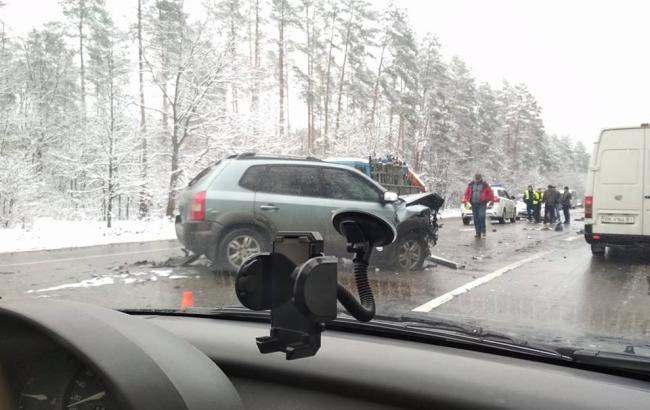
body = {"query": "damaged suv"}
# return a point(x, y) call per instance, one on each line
point(233, 208)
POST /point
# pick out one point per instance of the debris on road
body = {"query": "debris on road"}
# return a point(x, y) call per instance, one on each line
point(189, 259)
point(446, 262)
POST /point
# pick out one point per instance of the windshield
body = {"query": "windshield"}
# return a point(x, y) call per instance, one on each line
point(149, 147)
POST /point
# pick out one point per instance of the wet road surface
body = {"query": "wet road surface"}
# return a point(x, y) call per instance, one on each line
point(522, 279)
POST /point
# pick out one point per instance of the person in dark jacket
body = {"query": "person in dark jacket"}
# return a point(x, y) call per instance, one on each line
point(551, 203)
point(565, 202)
point(478, 193)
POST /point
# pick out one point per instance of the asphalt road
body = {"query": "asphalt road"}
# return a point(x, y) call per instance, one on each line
point(522, 279)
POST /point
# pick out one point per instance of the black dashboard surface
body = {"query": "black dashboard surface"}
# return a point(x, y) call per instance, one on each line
point(128, 362)
point(64, 355)
point(358, 371)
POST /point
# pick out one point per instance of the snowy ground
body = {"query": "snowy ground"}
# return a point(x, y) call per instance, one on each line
point(47, 233)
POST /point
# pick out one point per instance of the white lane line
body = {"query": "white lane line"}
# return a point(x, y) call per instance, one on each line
point(80, 258)
point(434, 303)
point(467, 229)
point(573, 238)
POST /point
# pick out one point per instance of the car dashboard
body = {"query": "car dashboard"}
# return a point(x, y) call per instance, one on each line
point(65, 355)
point(42, 375)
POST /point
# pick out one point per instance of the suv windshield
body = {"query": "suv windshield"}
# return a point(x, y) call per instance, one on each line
point(148, 148)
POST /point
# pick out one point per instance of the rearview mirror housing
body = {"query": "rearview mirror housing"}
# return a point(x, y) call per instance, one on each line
point(390, 197)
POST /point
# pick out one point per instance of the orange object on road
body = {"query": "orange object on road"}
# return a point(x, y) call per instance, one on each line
point(187, 300)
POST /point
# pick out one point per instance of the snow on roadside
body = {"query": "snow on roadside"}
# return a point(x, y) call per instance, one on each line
point(47, 233)
point(121, 278)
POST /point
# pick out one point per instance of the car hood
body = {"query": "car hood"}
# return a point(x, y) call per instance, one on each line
point(429, 199)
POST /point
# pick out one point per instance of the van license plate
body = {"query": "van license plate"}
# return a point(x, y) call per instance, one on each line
point(617, 219)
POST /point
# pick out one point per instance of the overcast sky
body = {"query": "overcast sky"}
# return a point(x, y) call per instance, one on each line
point(587, 61)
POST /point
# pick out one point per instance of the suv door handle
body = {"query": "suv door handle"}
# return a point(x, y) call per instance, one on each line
point(269, 207)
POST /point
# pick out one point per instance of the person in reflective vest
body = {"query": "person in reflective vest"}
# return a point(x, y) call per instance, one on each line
point(530, 199)
point(538, 205)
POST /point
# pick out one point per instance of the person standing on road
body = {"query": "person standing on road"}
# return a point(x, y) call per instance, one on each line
point(565, 202)
point(551, 203)
point(530, 199)
point(538, 205)
point(478, 193)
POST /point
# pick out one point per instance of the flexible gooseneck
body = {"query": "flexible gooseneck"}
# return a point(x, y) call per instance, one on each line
point(362, 232)
point(364, 309)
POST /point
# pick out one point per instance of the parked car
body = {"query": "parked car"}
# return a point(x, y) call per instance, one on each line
point(522, 209)
point(617, 198)
point(502, 208)
point(232, 209)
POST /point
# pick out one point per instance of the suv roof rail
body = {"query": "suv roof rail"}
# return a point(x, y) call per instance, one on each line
point(253, 155)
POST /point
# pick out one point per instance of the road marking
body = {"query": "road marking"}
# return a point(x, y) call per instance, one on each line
point(573, 238)
point(434, 303)
point(87, 257)
point(467, 229)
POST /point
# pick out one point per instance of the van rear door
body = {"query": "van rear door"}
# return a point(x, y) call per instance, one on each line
point(646, 191)
point(618, 196)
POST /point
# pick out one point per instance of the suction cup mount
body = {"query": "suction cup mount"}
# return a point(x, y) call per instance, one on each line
point(363, 231)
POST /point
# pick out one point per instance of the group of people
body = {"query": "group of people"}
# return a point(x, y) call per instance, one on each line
point(479, 193)
point(553, 201)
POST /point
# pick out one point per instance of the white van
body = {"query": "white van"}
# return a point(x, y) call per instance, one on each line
point(617, 198)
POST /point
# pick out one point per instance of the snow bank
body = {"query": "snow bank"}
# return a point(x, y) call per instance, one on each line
point(48, 233)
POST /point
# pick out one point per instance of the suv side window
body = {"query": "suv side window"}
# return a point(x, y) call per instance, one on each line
point(291, 180)
point(253, 177)
point(342, 184)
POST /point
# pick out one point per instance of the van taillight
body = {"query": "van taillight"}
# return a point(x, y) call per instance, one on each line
point(198, 206)
point(589, 206)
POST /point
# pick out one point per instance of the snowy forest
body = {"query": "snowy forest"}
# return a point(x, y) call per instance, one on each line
point(103, 119)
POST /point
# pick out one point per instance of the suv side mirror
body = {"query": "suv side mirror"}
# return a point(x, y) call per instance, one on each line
point(513, 197)
point(390, 197)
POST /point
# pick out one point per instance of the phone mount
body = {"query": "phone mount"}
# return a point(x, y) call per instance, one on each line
point(299, 284)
